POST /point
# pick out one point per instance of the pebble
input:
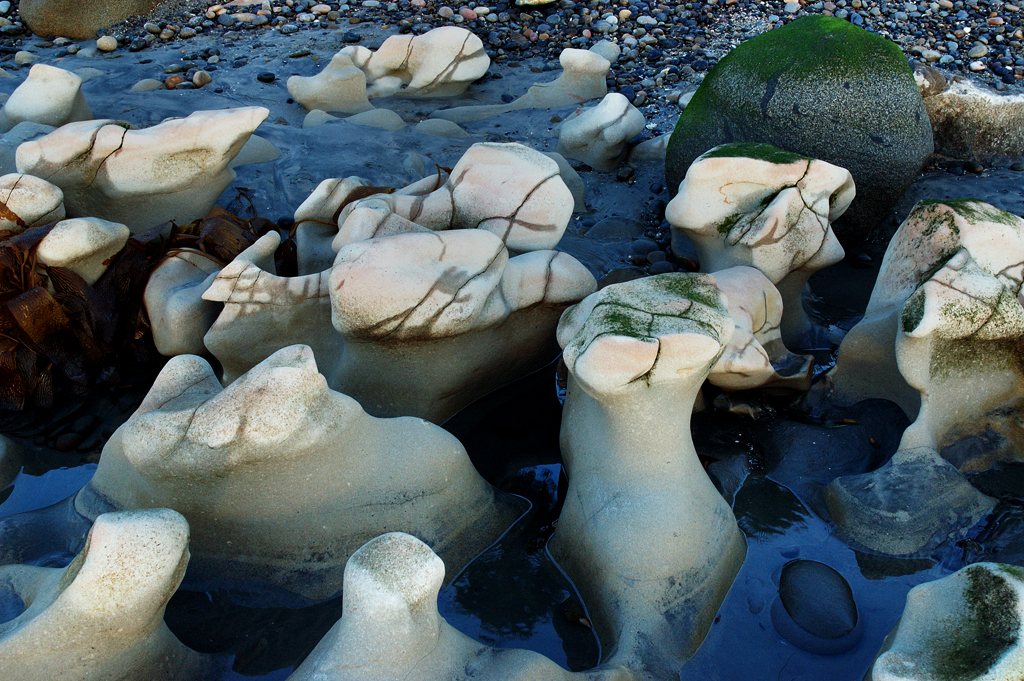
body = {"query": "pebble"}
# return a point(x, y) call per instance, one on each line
point(68, 441)
point(173, 81)
point(1017, 167)
point(662, 267)
point(973, 167)
point(107, 43)
point(977, 52)
point(202, 78)
point(265, 77)
point(23, 57)
point(815, 610)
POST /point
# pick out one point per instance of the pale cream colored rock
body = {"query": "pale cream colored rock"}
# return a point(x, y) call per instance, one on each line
point(450, 314)
point(172, 171)
point(968, 623)
point(316, 222)
point(644, 535)
point(340, 87)
point(21, 57)
point(178, 315)
point(15, 137)
point(969, 122)
point(756, 355)
point(281, 478)
point(263, 313)
point(753, 204)
point(598, 136)
point(50, 96)
point(82, 245)
point(384, 119)
point(866, 365)
point(390, 629)
point(439, 63)
point(582, 79)
point(10, 461)
point(438, 127)
point(316, 118)
point(255, 150)
point(27, 201)
point(509, 190)
point(107, 43)
point(102, 617)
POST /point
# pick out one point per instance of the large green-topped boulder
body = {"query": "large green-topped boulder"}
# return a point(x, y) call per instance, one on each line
point(822, 88)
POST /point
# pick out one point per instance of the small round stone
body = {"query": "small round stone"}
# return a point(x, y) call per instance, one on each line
point(973, 167)
point(107, 43)
point(815, 610)
point(1018, 167)
point(662, 267)
point(266, 77)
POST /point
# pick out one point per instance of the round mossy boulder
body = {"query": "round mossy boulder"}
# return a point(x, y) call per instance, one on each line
point(823, 88)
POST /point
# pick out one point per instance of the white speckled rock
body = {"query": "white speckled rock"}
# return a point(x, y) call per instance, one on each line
point(866, 364)
point(178, 315)
point(509, 190)
point(102, 617)
point(598, 136)
point(316, 222)
point(753, 204)
point(645, 536)
point(756, 355)
point(290, 470)
point(439, 63)
point(450, 314)
point(172, 171)
point(27, 201)
point(340, 87)
point(390, 628)
point(968, 623)
point(49, 95)
point(82, 245)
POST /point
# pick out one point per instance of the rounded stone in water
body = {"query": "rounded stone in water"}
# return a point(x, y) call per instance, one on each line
point(815, 609)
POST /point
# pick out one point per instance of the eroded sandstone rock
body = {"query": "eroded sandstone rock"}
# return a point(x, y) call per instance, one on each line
point(754, 204)
point(178, 315)
point(102, 617)
point(82, 245)
point(598, 136)
point(50, 96)
point(645, 536)
point(172, 171)
point(282, 479)
point(27, 201)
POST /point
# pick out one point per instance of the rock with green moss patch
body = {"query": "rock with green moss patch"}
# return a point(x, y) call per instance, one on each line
point(650, 543)
point(964, 627)
point(755, 204)
point(822, 88)
point(931, 235)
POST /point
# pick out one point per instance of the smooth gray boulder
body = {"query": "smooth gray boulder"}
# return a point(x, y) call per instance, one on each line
point(822, 88)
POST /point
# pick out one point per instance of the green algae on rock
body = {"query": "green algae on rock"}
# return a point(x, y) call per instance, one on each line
point(818, 87)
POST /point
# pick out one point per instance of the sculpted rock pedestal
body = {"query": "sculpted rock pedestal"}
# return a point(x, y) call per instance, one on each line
point(102, 617)
point(141, 178)
point(598, 136)
point(391, 629)
point(282, 479)
point(964, 626)
point(178, 314)
point(644, 534)
point(933, 233)
point(754, 204)
point(49, 96)
point(433, 321)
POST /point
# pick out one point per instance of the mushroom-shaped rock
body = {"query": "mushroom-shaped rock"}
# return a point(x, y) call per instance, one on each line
point(756, 355)
point(510, 190)
point(101, 617)
point(340, 87)
point(432, 321)
point(82, 245)
point(178, 315)
point(439, 63)
point(644, 534)
point(390, 628)
point(598, 136)
point(316, 222)
point(172, 171)
point(49, 95)
point(753, 204)
point(964, 626)
point(582, 79)
point(281, 478)
point(934, 231)
point(959, 344)
point(263, 313)
point(28, 201)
